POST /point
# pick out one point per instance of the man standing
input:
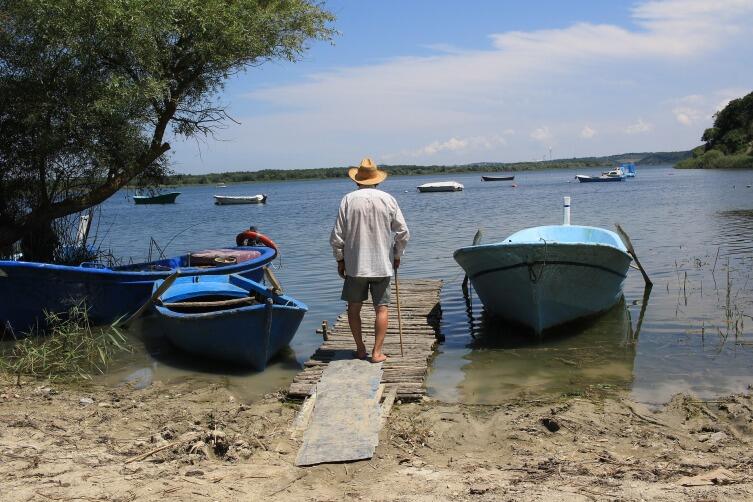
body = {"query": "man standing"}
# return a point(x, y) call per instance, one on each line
point(366, 252)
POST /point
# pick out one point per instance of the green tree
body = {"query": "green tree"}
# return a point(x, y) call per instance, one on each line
point(733, 127)
point(90, 91)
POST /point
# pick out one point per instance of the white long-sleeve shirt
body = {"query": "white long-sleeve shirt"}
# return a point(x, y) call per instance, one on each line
point(363, 233)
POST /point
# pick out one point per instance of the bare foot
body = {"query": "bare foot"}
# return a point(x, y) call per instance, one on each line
point(360, 355)
point(378, 358)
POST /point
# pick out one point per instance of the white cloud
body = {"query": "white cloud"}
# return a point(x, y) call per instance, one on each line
point(639, 127)
point(541, 134)
point(457, 145)
point(556, 77)
point(587, 132)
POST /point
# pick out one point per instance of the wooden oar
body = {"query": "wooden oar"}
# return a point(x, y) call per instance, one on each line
point(163, 287)
point(399, 317)
point(476, 240)
point(631, 251)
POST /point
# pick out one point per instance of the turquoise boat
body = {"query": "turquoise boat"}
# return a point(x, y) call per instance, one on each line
point(228, 318)
point(545, 276)
point(162, 198)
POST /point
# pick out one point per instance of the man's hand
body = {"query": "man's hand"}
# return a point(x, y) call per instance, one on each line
point(341, 268)
point(396, 263)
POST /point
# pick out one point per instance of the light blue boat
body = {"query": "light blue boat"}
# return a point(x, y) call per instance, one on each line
point(545, 276)
point(228, 318)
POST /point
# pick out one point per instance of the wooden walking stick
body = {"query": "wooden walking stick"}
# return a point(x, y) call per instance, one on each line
point(399, 317)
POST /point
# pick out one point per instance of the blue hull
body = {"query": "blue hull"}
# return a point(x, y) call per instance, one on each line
point(28, 289)
point(599, 179)
point(546, 276)
point(246, 335)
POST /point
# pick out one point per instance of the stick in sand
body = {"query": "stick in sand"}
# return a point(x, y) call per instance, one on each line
point(399, 317)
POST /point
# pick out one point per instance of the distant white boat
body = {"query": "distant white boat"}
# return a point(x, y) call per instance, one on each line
point(222, 200)
point(221, 185)
point(442, 186)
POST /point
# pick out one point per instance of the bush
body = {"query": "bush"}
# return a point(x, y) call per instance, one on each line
point(70, 349)
point(714, 159)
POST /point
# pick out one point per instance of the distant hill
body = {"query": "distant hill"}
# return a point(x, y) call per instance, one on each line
point(729, 144)
point(644, 158)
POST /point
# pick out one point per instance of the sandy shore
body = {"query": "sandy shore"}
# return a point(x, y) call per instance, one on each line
point(187, 443)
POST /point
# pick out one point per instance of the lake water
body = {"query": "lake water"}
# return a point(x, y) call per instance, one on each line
point(690, 228)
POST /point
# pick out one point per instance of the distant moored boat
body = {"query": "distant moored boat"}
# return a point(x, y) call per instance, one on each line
point(222, 200)
point(162, 198)
point(442, 186)
point(589, 179)
point(497, 178)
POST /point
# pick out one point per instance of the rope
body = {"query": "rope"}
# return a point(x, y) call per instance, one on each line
point(532, 275)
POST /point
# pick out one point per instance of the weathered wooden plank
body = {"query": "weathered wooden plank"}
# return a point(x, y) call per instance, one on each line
point(420, 312)
point(345, 422)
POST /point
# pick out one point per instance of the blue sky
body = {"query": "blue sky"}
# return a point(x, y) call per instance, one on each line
point(439, 82)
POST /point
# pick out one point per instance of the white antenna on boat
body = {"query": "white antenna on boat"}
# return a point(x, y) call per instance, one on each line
point(566, 207)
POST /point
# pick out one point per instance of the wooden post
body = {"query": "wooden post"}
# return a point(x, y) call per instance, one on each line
point(399, 317)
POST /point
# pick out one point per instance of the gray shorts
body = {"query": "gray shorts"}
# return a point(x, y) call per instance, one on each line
point(356, 289)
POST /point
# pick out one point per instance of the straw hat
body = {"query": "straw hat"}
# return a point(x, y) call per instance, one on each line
point(367, 173)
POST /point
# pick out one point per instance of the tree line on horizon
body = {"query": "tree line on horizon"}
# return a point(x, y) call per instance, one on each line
point(645, 158)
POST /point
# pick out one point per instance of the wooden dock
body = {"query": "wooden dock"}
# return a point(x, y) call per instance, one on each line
point(421, 313)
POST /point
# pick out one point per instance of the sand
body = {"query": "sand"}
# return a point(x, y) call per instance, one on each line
point(196, 441)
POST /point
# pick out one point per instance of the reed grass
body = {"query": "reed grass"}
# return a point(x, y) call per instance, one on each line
point(69, 349)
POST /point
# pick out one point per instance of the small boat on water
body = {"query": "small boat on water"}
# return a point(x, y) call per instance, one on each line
point(221, 185)
point(28, 289)
point(228, 318)
point(603, 178)
point(541, 277)
point(629, 169)
point(497, 178)
point(162, 198)
point(442, 186)
point(222, 200)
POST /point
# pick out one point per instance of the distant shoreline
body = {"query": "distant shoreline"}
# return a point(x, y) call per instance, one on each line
point(269, 175)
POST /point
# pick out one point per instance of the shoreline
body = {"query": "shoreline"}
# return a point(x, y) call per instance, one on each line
point(198, 441)
point(344, 176)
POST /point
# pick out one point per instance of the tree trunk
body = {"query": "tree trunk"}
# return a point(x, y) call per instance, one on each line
point(39, 241)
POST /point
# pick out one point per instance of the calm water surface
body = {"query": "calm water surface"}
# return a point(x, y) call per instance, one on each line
point(693, 231)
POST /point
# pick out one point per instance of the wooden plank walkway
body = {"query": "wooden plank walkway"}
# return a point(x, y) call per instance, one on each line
point(421, 313)
point(345, 421)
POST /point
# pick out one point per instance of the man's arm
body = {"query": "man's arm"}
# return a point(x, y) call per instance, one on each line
point(337, 241)
point(402, 234)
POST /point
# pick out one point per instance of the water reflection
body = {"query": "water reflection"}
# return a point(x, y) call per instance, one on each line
point(156, 359)
point(507, 362)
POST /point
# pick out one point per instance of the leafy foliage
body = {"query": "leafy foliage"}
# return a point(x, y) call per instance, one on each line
point(729, 144)
point(89, 89)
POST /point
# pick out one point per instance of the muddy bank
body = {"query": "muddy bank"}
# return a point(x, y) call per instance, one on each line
point(199, 442)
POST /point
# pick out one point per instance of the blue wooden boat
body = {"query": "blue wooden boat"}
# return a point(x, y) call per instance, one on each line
point(228, 318)
point(28, 289)
point(541, 277)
